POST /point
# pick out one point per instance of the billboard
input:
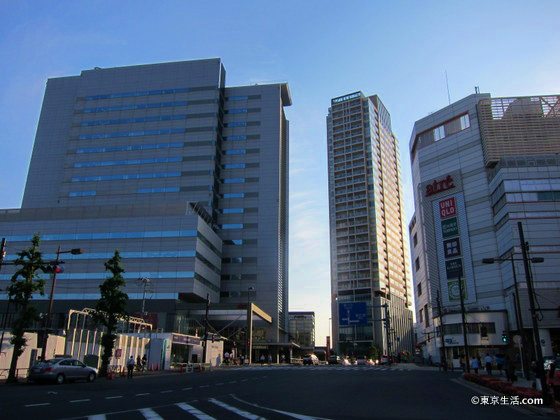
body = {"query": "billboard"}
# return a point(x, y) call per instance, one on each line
point(352, 313)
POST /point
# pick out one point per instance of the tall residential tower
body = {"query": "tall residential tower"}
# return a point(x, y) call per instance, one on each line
point(370, 274)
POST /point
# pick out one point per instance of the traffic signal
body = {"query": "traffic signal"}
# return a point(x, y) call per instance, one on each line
point(505, 338)
point(53, 269)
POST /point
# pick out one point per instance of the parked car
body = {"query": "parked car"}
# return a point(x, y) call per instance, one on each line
point(362, 361)
point(334, 360)
point(61, 370)
point(346, 362)
point(384, 360)
point(310, 359)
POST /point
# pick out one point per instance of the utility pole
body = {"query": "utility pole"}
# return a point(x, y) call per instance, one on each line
point(388, 330)
point(5, 320)
point(443, 353)
point(536, 336)
point(465, 344)
point(206, 328)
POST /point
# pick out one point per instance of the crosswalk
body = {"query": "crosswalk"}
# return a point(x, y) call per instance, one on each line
point(223, 408)
point(321, 368)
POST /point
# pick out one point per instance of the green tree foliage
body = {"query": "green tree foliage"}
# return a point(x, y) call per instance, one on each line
point(25, 283)
point(110, 308)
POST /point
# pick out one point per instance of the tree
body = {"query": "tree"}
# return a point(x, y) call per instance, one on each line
point(111, 308)
point(20, 293)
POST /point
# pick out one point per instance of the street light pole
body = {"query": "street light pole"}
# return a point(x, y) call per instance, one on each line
point(465, 344)
point(57, 261)
point(536, 335)
point(249, 337)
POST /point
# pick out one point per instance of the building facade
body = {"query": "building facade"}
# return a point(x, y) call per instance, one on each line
point(302, 329)
point(186, 176)
point(370, 274)
point(480, 166)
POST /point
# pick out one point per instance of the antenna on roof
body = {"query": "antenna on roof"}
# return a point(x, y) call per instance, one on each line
point(447, 84)
point(476, 90)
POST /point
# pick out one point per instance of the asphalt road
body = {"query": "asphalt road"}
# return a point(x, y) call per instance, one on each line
point(275, 393)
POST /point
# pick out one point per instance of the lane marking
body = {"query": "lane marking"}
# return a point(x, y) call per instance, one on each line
point(112, 398)
point(150, 414)
point(84, 400)
point(36, 405)
point(220, 383)
point(244, 380)
point(195, 412)
point(204, 386)
point(237, 411)
point(142, 394)
point(187, 389)
point(287, 413)
point(97, 417)
point(166, 391)
point(232, 382)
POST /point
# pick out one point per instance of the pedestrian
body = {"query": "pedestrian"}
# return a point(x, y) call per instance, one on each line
point(270, 359)
point(462, 363)
point(475, 365)
point(226, 358)
point(553, 380)
point(262, 359)
point(242, 357)
point(130, 367)
point(500, 362)
point(509, 366)
point(144, 363)
point(138, 363)
point(488, 364)
point(283, 358)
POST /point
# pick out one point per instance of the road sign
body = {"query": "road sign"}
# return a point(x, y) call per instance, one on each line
point(352, 313)
point(118, 353)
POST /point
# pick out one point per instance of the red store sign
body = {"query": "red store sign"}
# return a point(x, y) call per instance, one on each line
point(447, 208)
point(439, 186)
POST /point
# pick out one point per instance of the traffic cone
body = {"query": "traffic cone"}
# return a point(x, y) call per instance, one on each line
point(123, 373)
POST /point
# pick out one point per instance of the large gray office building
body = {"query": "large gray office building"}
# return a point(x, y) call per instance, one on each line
point(370, 273)
point(186, 177)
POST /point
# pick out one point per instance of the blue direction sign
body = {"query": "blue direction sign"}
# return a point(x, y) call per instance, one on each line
point(352, 313)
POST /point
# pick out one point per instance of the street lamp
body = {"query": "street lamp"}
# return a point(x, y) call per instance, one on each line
point(249, 338)
point(518, 316)
point(5, 321)
point(75, 251)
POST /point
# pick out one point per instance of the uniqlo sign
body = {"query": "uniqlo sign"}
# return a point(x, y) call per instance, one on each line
point(447, 208)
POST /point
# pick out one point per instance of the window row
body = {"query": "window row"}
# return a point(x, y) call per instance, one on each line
point(132, 107)
point(240, 151)
point(238, 180)
point(239, 276)
point(238, 226)
point(136, 133)
point(140, 93)
point(107, 235)
point(239, 260)
point(445, 130)
point(107, 255)
point(128, 162)
point(126, 176)
point(131, 147)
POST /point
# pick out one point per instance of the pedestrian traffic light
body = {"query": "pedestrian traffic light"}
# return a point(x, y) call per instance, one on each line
point(504, 338)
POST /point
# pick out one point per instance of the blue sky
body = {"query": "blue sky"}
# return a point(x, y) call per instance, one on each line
point(399, 50)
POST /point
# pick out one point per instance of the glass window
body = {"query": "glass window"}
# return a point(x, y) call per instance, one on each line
point(233, 180)
point(126, 176)
point(232, 138)
point(237, 111)
point(128, 162)
point(131, 107)
point(131, 133)
point(81, 194)
point(237, 98)
point(232, 211)
point(237, 124)
point(137, 93)
point(133, 120)
point(157, 190)
point(234, 166)
point(235, 152)
point(233, 195)
point(232, 226)
point(439, 133)
point(130, 147)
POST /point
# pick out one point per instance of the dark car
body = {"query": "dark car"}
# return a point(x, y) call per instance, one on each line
point(310, 359)
point(62, 370)
point(334, 360)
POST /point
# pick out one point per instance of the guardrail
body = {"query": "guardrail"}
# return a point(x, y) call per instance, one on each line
point(4, 373)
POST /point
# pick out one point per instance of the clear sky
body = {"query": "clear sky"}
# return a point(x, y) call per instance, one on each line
point(399, 50)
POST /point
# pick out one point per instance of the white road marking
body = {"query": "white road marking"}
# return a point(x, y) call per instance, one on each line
point(287, 413)
point(244, 380)
point(166, 391)
point(197, 413)
point(150, 414)
point(220, 383)
point(204, 386)
point(142, 394)
point(232, 382)
point(112, 398)
point(187, 389)
point(237, 411)
point(84, 400)
point(97, 417)
point(36, 405)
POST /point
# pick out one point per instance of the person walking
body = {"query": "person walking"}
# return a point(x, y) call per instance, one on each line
point(144, 363)
point(226, 358)
point(509, 367)
point(283, 358)
point(130, 367)
point(138, 363)
point(270, 359)
point(262, 359)
point(475, 365)
point(488, 364)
